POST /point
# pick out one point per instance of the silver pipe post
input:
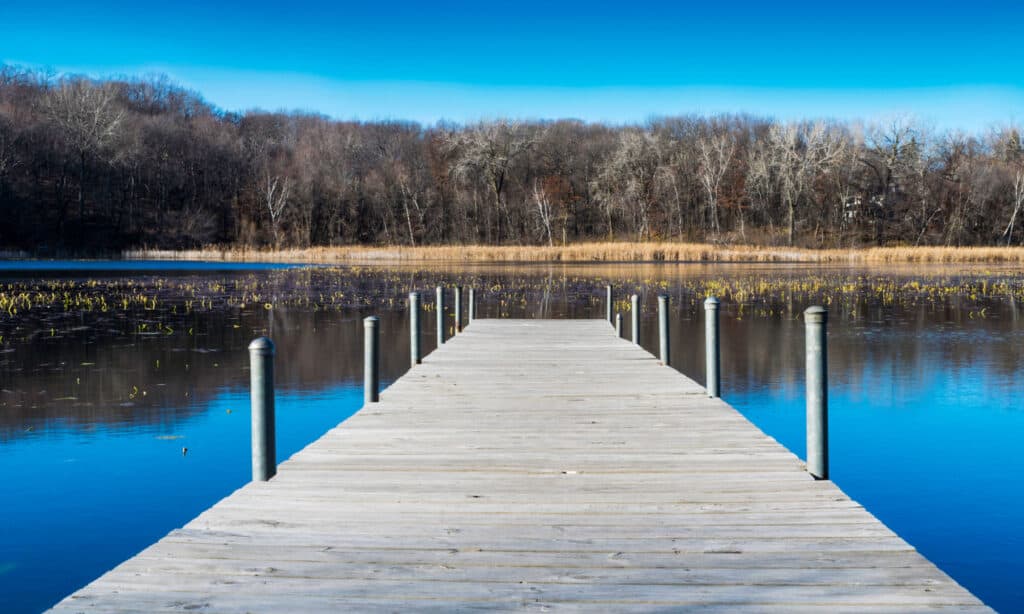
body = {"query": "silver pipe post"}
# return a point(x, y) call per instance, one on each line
point(261, 390)
point(663, 342)
point(458, 309)
point(415, 356)
point(439, 304)
point(815, 319)
point(618, 325)
point(634, 303)
point(608, 303)
point(371, 359)
point(712, 360)
point(472, 304)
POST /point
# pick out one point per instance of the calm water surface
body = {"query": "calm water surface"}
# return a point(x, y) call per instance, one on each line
point(124, 412)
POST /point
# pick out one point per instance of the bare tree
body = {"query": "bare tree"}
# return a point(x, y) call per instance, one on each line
point(1017, 202)
point(890, 148)
point(487, 151)
point(1008, 146)
point(270, 141)
point(626, 181)
point(90, 117)
point(761, 185)
point(545, 209)
point(842, 185)
point(716, 154)
point(801, 152)
point(276, 192)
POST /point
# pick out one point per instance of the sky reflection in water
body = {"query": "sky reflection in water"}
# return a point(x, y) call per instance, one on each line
point(924, 396)
point(81, 501)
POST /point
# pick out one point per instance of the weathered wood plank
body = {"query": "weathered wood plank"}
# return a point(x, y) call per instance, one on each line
point(533, 464)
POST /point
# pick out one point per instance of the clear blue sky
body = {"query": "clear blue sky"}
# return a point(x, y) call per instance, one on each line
point(958, 64)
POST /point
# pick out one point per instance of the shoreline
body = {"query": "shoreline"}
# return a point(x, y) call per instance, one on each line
point(593, 253)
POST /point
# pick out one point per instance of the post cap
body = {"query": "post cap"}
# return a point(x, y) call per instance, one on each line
point(662, 297)
point(711, 303)
point(635, 297)
point(262, 345)
point(371, 321)
point(414, 295)
point(816, 314)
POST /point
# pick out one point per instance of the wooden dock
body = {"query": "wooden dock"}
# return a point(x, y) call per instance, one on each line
point(536, 465)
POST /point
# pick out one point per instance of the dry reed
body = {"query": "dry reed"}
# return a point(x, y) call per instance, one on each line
point(596, 252)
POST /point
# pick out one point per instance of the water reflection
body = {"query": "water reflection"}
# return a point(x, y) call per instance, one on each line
point(96, 404)
point(103, 377)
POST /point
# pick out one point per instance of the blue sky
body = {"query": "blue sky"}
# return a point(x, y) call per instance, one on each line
point(957, 65)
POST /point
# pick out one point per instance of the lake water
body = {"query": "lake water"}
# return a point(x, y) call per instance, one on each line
point(124, 410)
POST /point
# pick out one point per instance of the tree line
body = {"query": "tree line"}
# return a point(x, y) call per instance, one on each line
point(97, 165)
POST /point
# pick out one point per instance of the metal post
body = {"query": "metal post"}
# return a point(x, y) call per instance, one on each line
point(663, 328)
point(371, 359)
point(711, 356)
point(439, 304)
point(458, 309)
point(472, 304)
point(815, 319)
point(261, 374)
point(608, 303)
point(415, 356)
point(618, 325)
point(635, 313)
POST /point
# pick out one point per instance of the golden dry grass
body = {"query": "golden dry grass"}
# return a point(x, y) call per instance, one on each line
point(597, 252)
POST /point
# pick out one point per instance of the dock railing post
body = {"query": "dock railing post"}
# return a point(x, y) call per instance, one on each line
point(634, 303)
point(472, 304)
point(415, 357)
point(371, 359)
point(663, 341)
point(618, 325)
point(608, 303)
point(261, 374)
point(815, 319)
point(439, 304)
point(458, 309)
point(712, 358)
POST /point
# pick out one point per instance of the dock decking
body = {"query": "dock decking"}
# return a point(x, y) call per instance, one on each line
point(534, 464)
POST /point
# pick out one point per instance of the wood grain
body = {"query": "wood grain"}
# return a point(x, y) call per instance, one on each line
point(535, 464)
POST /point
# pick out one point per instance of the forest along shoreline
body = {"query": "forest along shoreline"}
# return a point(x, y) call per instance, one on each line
point(593, 252)
point(123, 163)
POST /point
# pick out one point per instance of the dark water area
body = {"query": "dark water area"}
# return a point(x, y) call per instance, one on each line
point(92, 268)
point(108, 375)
